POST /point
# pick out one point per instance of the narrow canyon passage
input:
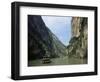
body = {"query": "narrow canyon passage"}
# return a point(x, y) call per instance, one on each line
point(51, 45)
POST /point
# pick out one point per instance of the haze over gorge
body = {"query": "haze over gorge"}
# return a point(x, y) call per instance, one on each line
point(47, 48)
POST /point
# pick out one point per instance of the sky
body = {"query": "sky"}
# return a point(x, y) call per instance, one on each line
point(60, 26)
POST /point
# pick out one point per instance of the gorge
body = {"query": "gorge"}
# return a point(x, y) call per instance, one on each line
point(43, 42)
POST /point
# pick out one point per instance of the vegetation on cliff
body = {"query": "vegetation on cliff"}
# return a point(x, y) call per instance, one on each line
point(41, 41)
point(78, 44)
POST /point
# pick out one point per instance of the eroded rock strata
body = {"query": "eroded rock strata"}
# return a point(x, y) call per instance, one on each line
point(78, 44)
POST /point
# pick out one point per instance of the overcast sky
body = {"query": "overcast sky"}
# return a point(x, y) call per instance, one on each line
point(60, 26)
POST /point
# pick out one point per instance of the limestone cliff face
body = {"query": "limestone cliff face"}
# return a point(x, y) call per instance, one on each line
point(78, 44)
point(75, 26)
point(41, 41)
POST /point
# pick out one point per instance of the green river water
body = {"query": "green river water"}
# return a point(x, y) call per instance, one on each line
point(65, 60)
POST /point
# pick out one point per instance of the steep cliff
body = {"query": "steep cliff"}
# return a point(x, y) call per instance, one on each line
point(78, 44)
point(41, 41)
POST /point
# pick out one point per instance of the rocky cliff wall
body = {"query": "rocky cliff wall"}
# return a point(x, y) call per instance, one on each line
point(41, 41)
point(78, 44)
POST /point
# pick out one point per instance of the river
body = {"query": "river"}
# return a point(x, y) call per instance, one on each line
point(64, 60)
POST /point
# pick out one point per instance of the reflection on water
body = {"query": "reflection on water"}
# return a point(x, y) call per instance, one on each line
point(77, 61)
point(65, 60)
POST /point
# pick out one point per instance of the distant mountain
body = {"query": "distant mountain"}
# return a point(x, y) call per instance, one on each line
point(41, 41)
